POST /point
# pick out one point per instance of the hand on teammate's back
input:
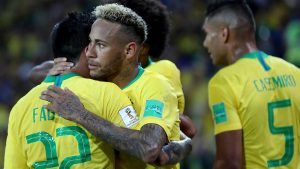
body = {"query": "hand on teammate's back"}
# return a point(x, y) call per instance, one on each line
point(60, 66)
point(62, 101)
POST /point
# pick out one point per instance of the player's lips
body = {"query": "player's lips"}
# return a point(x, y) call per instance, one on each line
point(92, 66)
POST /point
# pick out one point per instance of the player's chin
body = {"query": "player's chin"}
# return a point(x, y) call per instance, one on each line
point(93, 74)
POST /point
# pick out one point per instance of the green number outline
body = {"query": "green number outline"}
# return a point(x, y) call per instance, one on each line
point(50, 147)
point(83, 146)
point(287, 131)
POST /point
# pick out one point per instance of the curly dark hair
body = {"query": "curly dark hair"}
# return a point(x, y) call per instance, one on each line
point(70, 36)
point(157, 19)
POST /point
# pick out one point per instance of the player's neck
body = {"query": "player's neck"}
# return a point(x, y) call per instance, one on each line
point(125, 77)
point(240, 50)
point(80, 69)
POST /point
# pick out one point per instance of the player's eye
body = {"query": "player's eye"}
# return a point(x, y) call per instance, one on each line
point(101, 45)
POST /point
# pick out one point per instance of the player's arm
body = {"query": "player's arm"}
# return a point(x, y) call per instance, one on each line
point(227, 123)
point(187, 126)
point(144, 144)
point(229, 150)
point(175, 151)
point(39, 72)
point(55, 67)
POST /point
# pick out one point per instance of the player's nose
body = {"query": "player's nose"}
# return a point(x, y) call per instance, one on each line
point(89, 51)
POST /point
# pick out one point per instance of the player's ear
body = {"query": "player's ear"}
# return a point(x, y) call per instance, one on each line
point(131, 49)
point(225, 34)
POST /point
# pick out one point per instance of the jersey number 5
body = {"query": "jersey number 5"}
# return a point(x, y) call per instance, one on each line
point(287, 131)
point(50, 147)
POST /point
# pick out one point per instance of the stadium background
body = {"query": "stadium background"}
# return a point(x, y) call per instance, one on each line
point(25, 28)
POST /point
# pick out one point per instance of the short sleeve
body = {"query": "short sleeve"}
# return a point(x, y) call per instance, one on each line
point(160, 107)
point(223, 105)
point(14, 156)
point(118, 108)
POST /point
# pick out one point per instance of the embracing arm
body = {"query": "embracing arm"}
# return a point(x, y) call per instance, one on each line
point(229, 150)
point(39, 72)
point(145, 144)
point(175, 151)
point(55, 67)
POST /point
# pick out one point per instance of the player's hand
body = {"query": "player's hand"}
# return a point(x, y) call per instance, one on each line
point(64, 102)
point(187, 126)
point(162, 159)
point(60, 66)
point(177, 151)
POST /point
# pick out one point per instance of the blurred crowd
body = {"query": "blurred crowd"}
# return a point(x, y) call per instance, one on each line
point(25, 27)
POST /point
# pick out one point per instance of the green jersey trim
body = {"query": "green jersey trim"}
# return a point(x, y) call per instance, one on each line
point(150, 61)
point(261, 58)
point(254, 55)
point(141, 71)
point(58, 79)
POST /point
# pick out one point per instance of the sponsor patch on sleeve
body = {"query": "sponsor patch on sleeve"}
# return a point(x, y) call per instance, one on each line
point(220, 114)
point(129, 116)
point(154, 108)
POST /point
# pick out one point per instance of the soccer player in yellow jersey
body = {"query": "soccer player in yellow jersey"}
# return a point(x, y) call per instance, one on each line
point(39, 138)
point(254, 98)
point(116, 39)
point(158, 31)
point(153, 47)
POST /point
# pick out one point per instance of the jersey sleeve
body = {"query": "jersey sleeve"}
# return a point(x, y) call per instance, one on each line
point(14, 153)
point(160, 107)
point(173, 75)
point(118, 107)
point(222, 102)
point(181, 101)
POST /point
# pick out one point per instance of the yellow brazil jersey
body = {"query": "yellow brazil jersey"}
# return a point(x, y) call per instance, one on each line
point(172, 73)
point(154, 100)
point(38, 138)
point(259, 94)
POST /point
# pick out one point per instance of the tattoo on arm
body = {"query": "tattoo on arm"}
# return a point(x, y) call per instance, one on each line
point(178, 150)
point(144, 144)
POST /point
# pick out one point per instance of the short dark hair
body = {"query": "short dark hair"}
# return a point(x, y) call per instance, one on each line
point(240, 7)
point(157, 19)
point(70, 36)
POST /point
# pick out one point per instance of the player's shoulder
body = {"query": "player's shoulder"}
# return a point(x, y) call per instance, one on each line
point(167, 63)
point(31, 96)
point(36, 90)
point(279, 62)
point(94, 84)
point(223, 75)
point(167, 66)
point(154, 80)
point(151, 76)
point(92, 89)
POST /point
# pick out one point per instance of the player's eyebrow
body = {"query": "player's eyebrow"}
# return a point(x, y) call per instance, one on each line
point(99, 40)
point(96, 40)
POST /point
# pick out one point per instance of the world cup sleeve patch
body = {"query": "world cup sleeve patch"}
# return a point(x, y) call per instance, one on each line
point(220, 114)
point(154, 108)
point(129, 116)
